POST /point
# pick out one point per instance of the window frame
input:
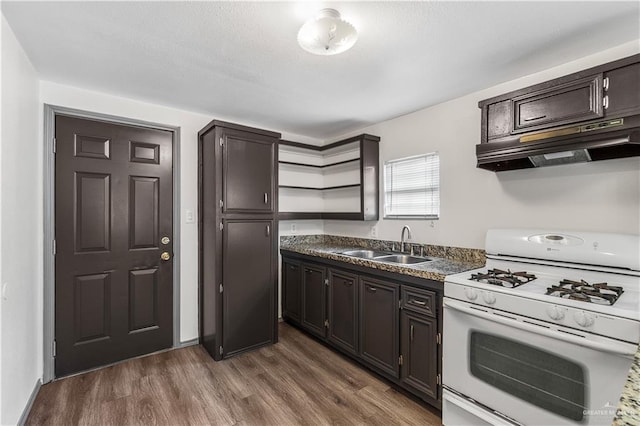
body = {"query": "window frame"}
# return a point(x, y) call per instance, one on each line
point(384, 187)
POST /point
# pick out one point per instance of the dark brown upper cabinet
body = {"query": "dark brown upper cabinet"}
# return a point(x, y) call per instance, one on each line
point(561, 104)
point(607, 91)
point(590, 115)
point(335, 181)
point(379, 324)
point(237, 225)
point(343, 310)
point(249, 172)
point(314, 299)
point(623, 90)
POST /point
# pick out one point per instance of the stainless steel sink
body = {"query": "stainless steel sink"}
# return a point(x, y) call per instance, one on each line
point(403, 259)
point(385, 256)
point(365, 254)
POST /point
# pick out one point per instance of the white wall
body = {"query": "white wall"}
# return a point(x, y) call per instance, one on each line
point(21, 229)
point(599, 196)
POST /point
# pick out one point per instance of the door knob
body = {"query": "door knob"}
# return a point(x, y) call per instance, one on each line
point(165, 240)
point(165, 255)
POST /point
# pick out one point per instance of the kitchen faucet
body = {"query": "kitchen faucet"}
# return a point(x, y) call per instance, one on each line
point(404, 228)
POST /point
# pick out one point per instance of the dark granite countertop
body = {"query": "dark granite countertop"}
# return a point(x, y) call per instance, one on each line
point(628, 412)
point(330, 248)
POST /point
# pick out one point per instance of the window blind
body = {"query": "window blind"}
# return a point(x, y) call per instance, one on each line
point(412, 187)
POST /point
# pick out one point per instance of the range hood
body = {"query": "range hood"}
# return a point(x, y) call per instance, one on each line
point(593, 142)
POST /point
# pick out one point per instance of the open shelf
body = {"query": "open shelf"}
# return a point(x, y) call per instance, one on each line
point(336, 181)
point(319, 215)
point(327, 188)
point(291, 163)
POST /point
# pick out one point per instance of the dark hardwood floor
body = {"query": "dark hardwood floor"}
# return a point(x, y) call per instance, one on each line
point(297, 381)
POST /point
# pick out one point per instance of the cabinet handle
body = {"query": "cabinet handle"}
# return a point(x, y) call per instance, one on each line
point(347, 282)
point(293, 267)
point(411, 332)
point(372, 289)
point(417, 302)
point(535, 118)
point(266, 198)
point(268, 230)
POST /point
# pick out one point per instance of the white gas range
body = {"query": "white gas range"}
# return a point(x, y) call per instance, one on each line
point(545, 333)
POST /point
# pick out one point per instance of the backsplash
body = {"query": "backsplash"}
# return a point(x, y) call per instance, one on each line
point(467, 255)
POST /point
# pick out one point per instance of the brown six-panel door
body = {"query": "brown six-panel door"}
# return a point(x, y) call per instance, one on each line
point(113, 228)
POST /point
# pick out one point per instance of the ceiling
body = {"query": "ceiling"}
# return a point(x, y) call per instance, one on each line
point(240, 60)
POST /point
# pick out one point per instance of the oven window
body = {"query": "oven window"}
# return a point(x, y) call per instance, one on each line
point(541, 378)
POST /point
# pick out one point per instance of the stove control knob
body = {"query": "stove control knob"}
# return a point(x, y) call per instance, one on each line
point(471, 293)
point(555, 313)
point(584, 319)
point(489, 298)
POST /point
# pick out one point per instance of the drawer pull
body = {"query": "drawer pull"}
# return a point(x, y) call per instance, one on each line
point(372, 289)
point(417, 302)
point(347, 282)
point(411, 332)
point(534, 118)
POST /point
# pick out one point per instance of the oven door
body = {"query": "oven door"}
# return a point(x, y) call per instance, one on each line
point(531, 371)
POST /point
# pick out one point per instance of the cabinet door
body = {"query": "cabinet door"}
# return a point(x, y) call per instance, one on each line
point(314, 299)
point(567, 103)
point(623, 90)
point(419, 353)
point(499, 117)
point(343, 310)
point(379, 324)
point(291, 289)
point(248, 296)
point(249, 173)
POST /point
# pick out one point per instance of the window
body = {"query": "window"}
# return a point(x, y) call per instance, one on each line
point(412, 187)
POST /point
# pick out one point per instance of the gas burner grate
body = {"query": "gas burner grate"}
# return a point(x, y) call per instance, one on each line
point(601, 293)
point(503, 278)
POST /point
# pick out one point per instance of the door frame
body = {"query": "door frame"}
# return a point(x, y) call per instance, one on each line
point(50, 113)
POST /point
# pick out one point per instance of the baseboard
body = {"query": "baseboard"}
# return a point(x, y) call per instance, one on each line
point(25, 413)
point(186, 343)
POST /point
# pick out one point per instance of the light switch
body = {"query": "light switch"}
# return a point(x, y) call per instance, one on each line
point(189, 216)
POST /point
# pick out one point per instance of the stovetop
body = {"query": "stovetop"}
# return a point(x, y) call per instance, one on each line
point(620, 297)
point(502, 278)
point(601, 293)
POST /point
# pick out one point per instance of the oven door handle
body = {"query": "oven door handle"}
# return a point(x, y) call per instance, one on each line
point(626, 350)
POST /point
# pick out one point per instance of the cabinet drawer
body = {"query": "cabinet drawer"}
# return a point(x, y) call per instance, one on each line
point(422, 301)
point(562, 104)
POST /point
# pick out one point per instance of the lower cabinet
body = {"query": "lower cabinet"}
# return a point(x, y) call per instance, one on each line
point(314, 299)
point(419, 353)
point(244, 328)
point(291, 290)
point(379, 324)
point(343, 310)
point(391, 327)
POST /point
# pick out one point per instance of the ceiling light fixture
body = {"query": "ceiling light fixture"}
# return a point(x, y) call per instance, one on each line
point(327, 34)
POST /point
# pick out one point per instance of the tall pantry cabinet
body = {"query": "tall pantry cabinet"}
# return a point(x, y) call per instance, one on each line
point(238, 231)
